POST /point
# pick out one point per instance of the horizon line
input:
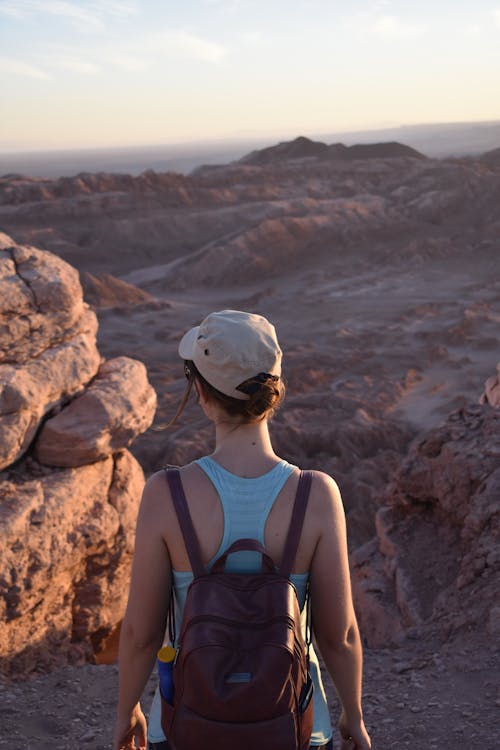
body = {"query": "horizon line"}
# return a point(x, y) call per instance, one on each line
point(233, 138)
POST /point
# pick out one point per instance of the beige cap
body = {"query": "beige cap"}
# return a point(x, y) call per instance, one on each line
point(231, 346)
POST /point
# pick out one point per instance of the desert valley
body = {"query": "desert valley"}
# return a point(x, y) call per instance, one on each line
point(381, 270)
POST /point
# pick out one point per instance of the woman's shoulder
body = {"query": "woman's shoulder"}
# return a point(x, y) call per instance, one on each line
point(160, 474)
point(157, 504)
point(323, 484)
point(325, 499)
point(157, 484)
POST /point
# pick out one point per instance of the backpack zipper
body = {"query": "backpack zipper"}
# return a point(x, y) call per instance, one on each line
point(236, 623)
point(215, 618)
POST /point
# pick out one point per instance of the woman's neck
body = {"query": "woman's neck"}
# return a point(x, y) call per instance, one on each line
point(244, 449)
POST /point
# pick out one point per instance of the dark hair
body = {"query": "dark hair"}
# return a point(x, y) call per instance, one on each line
point(265, 395)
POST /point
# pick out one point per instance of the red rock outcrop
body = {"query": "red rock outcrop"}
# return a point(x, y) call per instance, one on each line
point(116, 407)
point(47, 342)
point(67, 537)
point(66, 533)
point(175, 188)
point(436, 557)
point(41, 301)
point(105, 290)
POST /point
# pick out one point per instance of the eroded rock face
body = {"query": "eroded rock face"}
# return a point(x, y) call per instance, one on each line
point(41, 302)
point(117, 407)
point(436, 555)
point(31, 390)
point(47, 342)
point(66, 533)
point(68, 539)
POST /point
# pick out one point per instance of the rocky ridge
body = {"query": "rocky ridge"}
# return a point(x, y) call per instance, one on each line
point(282, 207)
point(69, 488)
point(435, 558)
point(305, 148)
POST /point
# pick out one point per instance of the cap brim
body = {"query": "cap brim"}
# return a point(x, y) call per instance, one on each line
point(186, 346)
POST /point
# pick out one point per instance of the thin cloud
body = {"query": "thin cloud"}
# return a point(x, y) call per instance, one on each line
point(229, 5)
point(473, 30)
point(137, 55)
point(391, 26)
point(257, 38)
point(185, 44)
point(383, 25)
point(68, 61)
point(90, 14)
point(116, 7)
point(496, 17)
point(19, 68)
point(94, 56)
point(125, 60)
point(143, 52)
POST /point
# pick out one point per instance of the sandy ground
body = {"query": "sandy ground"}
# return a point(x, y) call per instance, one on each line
point(424, 695)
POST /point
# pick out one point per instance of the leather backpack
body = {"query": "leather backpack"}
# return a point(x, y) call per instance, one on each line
point(241, 677)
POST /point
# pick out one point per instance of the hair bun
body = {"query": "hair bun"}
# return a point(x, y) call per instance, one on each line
point(254, 385)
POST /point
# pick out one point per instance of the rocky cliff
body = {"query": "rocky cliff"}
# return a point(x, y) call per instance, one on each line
point(435, 558)
point(69, 489)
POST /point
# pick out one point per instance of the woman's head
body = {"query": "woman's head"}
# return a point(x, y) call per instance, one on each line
point(235, 359)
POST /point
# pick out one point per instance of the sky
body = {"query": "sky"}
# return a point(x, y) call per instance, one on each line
point(90, 73)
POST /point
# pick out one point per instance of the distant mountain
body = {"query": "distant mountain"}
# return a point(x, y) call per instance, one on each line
point(389, 150)
point(437, 141)
point(301, 148)
point(492, 156)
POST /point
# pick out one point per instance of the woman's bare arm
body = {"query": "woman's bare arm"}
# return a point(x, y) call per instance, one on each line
point(333, 617)
point(145, 618)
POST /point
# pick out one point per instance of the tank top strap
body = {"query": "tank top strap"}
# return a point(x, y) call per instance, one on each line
point(246, 502)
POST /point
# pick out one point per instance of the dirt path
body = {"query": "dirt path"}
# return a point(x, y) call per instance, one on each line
point(422, 696)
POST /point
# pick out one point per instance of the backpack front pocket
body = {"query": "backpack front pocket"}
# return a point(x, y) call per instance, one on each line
point(190, 731)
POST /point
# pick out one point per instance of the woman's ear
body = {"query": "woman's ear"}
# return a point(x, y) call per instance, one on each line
point(198, 390)
point(210, 407)
point(201, 398)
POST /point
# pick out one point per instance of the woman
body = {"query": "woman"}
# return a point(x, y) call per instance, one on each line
point(243, 489)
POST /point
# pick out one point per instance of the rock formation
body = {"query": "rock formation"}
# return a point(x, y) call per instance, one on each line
point(67, 533)
point(299, 148)
point(105, 290)
point(304, 148)
point(435, 558)
point(116, 407)
point(324, 200)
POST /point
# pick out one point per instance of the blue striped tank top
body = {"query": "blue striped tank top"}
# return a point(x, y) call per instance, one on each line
point(246, 503)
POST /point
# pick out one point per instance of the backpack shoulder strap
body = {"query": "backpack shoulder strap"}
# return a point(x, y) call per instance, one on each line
point(185, 521)
point(296, 523)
